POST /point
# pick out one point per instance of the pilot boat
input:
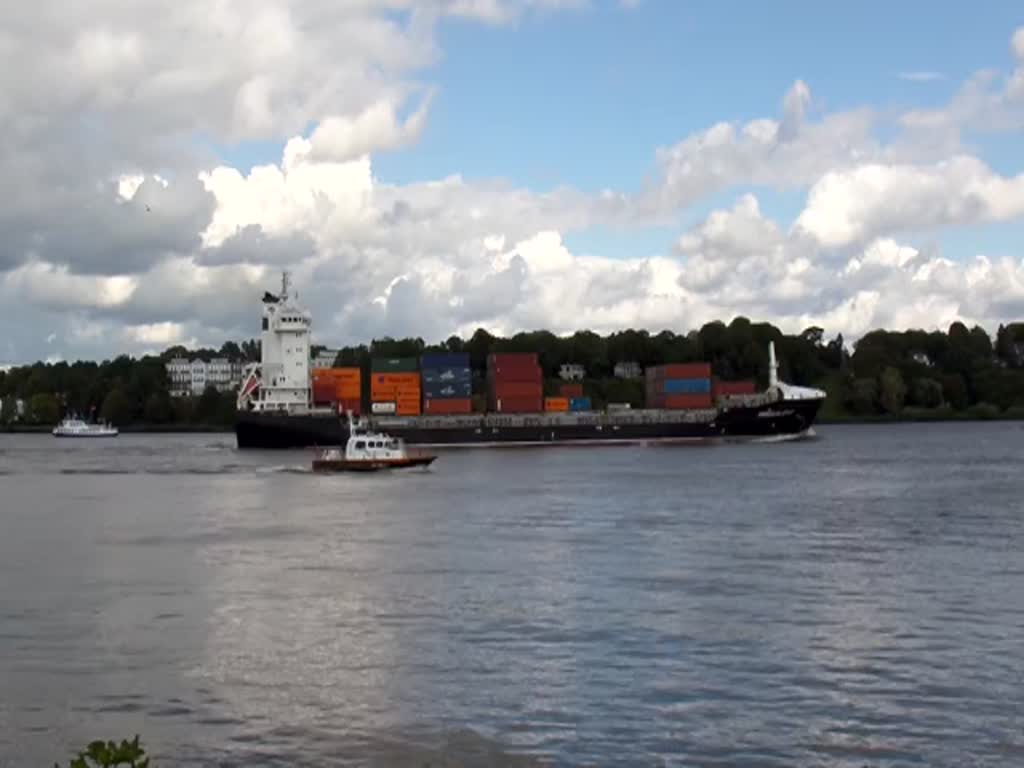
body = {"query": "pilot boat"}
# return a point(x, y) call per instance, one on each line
point(369, 451)
point(75, 427)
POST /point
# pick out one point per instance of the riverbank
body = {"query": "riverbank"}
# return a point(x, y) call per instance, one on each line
point(150, 429)
point(981, 412)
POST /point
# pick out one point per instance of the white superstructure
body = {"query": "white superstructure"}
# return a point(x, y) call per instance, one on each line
point(74, 427)
point(281, 380)
point(787, 391)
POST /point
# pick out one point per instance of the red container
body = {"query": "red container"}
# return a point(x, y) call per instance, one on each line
point(571, 390)
point(519, 405)
point(682, 402)
point(324, 392)
point(736, 388)
point(448, 406)
point(354, 405)
point(512, 359)
point(514, 389)
point(515, 373)
point(681, 371)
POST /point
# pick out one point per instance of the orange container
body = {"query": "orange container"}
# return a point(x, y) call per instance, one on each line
point(393, 386)
point(393, 393)
point(347, 386)
point(394, 379)
point(337, 374)
point(556, 404)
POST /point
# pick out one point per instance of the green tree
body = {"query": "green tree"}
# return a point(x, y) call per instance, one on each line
point(44, 408)
point(891, 390)
point(184, 409)
point(208, 407)
point(999, 386)
point(251, 350)
point(231, 350)
point(158, 409)
point(954, 391)
point(862, 396)
point(8, 409)
point(116, 407)
point(926, 393)
point(109, 754)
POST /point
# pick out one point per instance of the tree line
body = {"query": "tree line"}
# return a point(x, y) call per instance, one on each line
point(123, 391)
point(887, 374)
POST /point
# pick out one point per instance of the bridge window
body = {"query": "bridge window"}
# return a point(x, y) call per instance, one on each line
point(360, 445)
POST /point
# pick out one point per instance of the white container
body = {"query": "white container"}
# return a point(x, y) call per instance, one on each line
point(382, 407)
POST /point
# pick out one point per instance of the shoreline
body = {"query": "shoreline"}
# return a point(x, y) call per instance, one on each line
point(130, 429)
point(831, 420)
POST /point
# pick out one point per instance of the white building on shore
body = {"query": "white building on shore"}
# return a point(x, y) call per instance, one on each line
point(325, 358)
point(191, 377)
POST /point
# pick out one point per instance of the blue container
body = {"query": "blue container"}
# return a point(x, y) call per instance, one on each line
point(447, 389)
point(686, 386)
point(442, 360)
point(445, 375)
point(579, 403)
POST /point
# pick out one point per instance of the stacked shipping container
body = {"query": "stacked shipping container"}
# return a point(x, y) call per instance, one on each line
point(442, 384)
point(679, 386)
point(395, 381)
point(447, 384)
point(514, 383)
point(556, 404)
point(338, 387)
point(571, 389)
point(725, 388)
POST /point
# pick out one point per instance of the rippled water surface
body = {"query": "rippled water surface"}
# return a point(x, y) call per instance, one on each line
point(852, 600)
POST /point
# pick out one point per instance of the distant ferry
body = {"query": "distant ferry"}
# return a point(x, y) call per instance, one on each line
point(75, 427)
point(276, 408)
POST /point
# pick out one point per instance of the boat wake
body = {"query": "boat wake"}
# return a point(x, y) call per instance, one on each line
point(807, 434)
point(284, 470)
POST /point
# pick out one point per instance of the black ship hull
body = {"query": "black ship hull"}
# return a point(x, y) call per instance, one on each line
point(779, 419)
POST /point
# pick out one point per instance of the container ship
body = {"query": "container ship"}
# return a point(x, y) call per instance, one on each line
point(285, 402)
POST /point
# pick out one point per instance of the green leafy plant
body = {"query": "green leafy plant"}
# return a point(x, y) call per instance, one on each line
point(107, 754)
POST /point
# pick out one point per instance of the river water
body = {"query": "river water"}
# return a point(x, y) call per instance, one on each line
point(852, 600)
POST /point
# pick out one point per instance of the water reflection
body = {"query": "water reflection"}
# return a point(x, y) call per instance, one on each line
point(846, 602)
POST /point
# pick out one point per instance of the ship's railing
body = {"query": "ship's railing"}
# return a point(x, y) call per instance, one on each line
point(567, 419)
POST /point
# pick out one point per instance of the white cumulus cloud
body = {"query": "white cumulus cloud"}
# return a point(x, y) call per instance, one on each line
point(123, 234)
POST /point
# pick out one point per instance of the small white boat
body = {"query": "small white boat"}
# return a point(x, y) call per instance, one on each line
point(369, 451)
point(74, 427)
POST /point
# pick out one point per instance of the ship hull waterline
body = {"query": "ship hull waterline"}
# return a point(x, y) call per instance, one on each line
point(785, 420)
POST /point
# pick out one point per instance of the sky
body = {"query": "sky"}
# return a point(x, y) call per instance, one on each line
point(428, 167)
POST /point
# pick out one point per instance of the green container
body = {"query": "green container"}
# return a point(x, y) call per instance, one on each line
point(394, 365)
